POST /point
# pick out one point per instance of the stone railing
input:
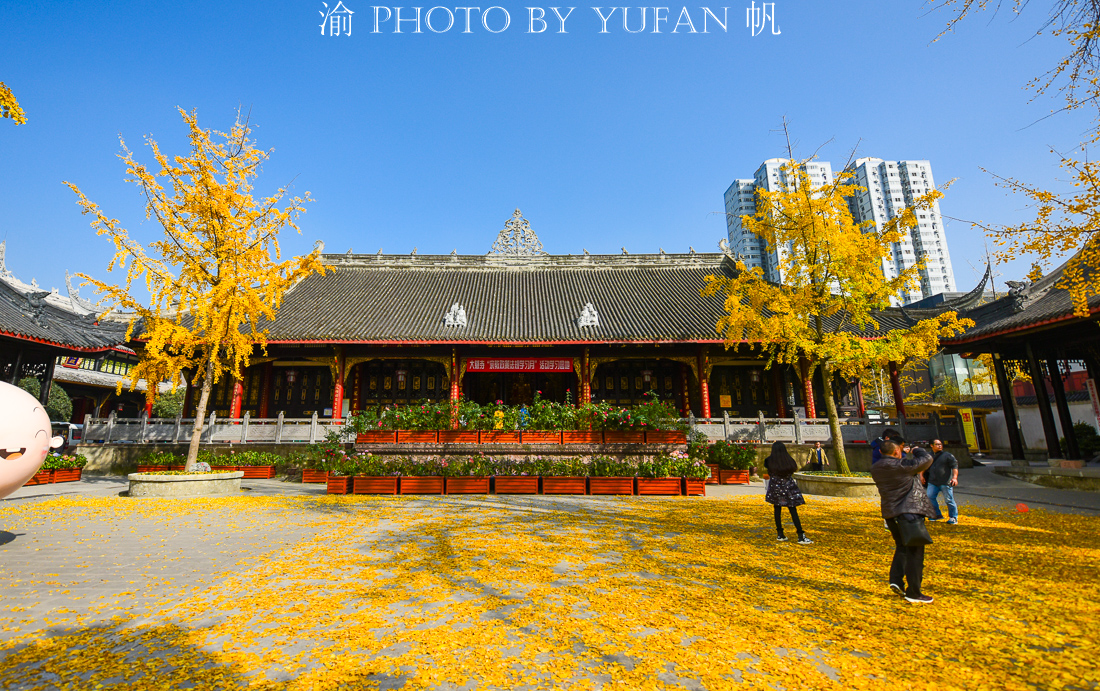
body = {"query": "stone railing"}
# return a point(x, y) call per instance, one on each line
point(145, 430)
point(799, 430)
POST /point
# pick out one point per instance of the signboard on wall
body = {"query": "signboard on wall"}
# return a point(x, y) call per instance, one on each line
point(968, 428)
point(1090, 384)
point(519, 365)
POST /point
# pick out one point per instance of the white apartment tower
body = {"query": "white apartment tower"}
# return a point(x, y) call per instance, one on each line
point(740, 201)
point(889, 187)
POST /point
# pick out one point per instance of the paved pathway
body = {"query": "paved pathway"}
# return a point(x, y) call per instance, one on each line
point(978, 486)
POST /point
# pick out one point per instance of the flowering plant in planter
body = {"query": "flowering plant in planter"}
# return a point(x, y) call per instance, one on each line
point(609, 466)
point(730, 456)
point(421, 466)
point(478, 465)
point(56, 461)
point(663, 465)
point(655, 414)
point(507, 466)
point(567, 466)
point(370, 465)
point(548, 415)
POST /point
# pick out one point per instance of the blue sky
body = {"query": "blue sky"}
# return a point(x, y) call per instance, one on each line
point(431, 140)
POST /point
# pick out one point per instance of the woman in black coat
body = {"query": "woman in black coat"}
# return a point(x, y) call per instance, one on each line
point(783, 491)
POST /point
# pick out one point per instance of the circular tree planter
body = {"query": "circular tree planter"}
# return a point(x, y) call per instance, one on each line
point(205, 485)
point(836, 486)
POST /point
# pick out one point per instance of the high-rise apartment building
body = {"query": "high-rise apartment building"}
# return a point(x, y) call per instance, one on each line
point(890, 186)
point(740, 201)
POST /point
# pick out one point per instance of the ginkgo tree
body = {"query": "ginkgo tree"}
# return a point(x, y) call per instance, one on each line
point(9, 107)
point(826, 312)
point(1065, 223)
point(216, 273)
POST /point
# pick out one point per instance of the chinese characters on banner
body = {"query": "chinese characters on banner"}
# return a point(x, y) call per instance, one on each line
point(336, 20)
point(757, 18)
point(519, 365)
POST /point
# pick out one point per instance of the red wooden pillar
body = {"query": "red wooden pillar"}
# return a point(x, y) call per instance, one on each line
point(861, 407)
point(807, 389)
point(704, 385)
point(777, 390)
point(265, 391)
point(148, 408)
point(338, 389)
point(235, 405)
point(895, 386)
point(586, 380)
point(456, 390)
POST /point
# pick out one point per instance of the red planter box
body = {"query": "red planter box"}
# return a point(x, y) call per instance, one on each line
point(224, 469)
point(659, 485)
point(431, 484)
point(499, 437)
point(339, 484)
point(540, 437)
point(258, 472)
point(151, 468)
point(733, 477)
point(715, 471)
point(374, 484)
point(407, 436)
point(611, 485)
point(659, 437)
point(623, 437)
point(377, 437)
point(457, 436)
point(516, 484)
point(314, 475)
point(466, 485)
point(694, 488)
point(67, 475)
point(585, 437)
point(42, 477)
point(564, 485)
point(174, 467)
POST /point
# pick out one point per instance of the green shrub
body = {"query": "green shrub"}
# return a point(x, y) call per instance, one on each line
point(162, 458)
point(1088, 442)
point(59, 406)
point(730, 456)
point(608, 466)
point(62, 462)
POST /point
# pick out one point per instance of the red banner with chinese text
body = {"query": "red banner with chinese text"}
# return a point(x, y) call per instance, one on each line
point(519, 365)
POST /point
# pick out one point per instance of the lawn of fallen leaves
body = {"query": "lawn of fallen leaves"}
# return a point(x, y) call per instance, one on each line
point(511, 592)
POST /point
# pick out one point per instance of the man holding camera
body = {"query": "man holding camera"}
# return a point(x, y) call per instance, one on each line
point(905, 505)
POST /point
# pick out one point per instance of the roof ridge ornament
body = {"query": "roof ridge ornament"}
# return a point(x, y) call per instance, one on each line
point(81, 306)
point(455, 317)
point(588, 317)
point(517, 239)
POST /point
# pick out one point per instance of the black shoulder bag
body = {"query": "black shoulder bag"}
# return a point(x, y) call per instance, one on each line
point(913, 531)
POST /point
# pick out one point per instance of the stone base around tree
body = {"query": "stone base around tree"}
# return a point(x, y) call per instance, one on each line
point(836, 486)
point(205, 485)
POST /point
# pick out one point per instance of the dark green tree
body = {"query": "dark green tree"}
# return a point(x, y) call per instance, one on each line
point(169, 404)
point(59, 407)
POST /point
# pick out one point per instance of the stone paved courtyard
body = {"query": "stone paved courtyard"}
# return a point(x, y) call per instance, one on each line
point(314, 592)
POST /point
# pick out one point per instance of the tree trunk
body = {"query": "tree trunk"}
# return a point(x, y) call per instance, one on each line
point(834, 420)
point(200, 414)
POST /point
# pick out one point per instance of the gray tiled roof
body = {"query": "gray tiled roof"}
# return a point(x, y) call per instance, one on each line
point(1042, 302)
point(30, 316)
point(529, 299)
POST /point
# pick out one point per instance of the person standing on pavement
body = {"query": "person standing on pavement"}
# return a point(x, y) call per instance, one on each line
point(904, 500)
point(943, 477)
point(783, 491)
point(888, 434)
point(818, 459)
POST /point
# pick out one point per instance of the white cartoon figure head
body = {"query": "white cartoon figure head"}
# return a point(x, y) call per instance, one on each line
point(24, 437)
